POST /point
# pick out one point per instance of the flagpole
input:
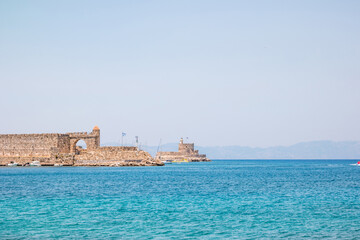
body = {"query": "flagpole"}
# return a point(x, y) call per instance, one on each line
point(122, 138)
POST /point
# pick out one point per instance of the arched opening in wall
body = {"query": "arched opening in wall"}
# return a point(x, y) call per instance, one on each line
point(80, 146)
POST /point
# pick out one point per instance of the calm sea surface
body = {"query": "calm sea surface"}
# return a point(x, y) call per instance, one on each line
point(217, 200)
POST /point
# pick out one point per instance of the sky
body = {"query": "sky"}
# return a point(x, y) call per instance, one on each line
point(251, 73)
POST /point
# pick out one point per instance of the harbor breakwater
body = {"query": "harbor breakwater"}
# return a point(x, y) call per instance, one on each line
point(51, 149)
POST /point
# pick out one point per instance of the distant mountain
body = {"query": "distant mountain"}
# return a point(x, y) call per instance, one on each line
point(304, 150)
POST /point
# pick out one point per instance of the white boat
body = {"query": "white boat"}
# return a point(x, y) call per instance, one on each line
point(58, 165)
point(35, 164)
point(167, 161)
point(356, 164)
point(12, 164)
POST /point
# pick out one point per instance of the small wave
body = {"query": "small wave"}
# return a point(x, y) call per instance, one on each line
point(334, 165)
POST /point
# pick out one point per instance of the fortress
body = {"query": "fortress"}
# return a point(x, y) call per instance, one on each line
point(60, 149)
point(186, 152)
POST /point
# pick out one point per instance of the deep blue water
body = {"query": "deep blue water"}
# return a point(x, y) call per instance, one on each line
point(222, 199)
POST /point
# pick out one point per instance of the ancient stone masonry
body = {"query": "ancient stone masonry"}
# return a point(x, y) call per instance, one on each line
point(186, 153)
point(60, 149)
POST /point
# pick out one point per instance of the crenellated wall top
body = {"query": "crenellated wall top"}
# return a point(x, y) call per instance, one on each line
point(33, 135)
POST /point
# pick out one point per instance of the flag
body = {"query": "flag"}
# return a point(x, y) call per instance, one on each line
point(123, 134)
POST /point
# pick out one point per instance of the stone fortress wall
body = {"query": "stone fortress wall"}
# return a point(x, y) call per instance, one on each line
point(32, 144)
point(54, 148)
point(186, 152)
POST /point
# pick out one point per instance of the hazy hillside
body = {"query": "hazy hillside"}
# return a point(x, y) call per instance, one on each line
point(305, 150)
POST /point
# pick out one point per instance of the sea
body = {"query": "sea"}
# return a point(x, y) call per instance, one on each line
point(222, 199)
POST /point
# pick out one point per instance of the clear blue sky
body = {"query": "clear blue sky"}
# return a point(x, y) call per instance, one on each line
point(254, 73)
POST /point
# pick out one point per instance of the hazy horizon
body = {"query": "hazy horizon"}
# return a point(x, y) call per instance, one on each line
point(304, 150)
point(133, 143)
point(248, 73)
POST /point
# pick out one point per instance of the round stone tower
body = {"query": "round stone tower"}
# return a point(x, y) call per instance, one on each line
point(96, 132)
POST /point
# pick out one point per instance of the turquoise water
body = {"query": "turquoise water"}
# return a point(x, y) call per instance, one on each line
point(217, 200)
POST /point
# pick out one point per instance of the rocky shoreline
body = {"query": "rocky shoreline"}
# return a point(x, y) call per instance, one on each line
point(62, 149)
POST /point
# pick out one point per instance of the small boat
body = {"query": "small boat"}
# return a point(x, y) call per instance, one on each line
point(58, 165)
point(167, 161)
point(181, 161)
point(356, 164)
point(35, 164)
point(12, 164)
